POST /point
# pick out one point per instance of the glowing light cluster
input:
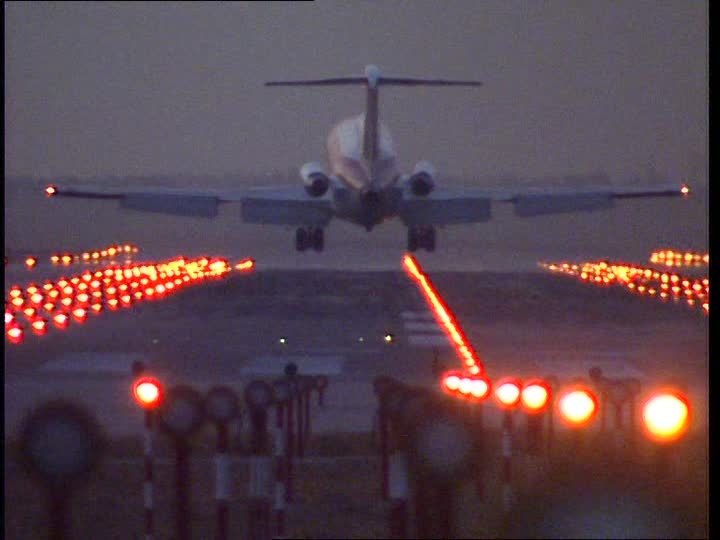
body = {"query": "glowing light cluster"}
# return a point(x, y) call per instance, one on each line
point(471, 387)
point(641, 280)
point(669, 257)
point(444, 316)
point(110, 288)
point(95, 256)
point(665, 415)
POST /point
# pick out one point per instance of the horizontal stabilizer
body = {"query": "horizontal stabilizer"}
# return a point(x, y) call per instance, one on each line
point(382, 81)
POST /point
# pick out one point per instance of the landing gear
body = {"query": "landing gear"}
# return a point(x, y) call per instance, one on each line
point(309, 237)
point(421, 237)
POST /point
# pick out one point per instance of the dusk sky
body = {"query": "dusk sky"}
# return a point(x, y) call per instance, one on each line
point(145, 88)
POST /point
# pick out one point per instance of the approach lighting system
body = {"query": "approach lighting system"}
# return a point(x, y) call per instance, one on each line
point(50, 191)
point(30, 262)
point(665, 415)
point(245, 265)
point(535, 396)
point(147, 391)
point(507, 393)
point(577, 406)
point(458, 384)
point(444, 316)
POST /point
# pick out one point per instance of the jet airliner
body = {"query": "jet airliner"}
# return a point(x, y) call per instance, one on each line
point(362, 184)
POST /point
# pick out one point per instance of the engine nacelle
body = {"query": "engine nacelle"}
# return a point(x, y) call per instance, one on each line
point(315, 179)
point(422, 180)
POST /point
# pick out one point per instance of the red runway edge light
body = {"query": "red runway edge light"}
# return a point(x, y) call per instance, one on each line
point(577, 406)
point(665, 415)
point(535, 396)
point(147, 391)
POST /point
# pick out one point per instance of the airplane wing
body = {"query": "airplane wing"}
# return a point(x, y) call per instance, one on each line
point(277, 206)
point(473, 205)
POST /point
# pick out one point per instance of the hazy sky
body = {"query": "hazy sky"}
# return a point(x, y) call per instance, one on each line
point(176, 88)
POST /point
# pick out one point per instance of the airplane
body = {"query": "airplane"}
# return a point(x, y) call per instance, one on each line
point(363, 185)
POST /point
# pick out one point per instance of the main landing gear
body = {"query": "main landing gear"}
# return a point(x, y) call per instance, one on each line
point(309, 237)
point(421, 237)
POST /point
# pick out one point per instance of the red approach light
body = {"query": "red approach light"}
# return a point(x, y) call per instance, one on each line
point(29, 312)
point(535, 396)
point(50, 191)
point(9, 317)
point(665, 415)
point(14, 333)
point(15, 292)
point(80, 314)
point(577, 406)
point(147, 391)
point(443, 315)
point(61, 320)
point(39, 326)
point(17, 301)
point(507, 393)
point(245, 265)
point(30, 262)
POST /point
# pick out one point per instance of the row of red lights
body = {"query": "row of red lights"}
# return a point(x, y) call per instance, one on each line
point(647, 281)
point(664, 413)
point(112, 288)
point(444, 316)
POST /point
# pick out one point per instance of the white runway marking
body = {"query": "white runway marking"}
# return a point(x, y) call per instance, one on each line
point(428, 340)
point(92, 362)
point(414, 315)
point(430, 327)
point(307, 365)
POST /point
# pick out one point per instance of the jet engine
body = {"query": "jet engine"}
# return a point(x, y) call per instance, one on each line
point(315, 179)
point(422, 180)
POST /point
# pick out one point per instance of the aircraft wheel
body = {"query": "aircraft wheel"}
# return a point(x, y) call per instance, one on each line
point(318, 238)
point(301, 239)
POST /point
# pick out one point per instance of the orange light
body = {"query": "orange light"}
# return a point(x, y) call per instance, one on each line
point(39, 326)
point(665, 415)
point(29, 311)
point(451, 381)
point(147, 392)
point(61, 320)
point(80, 314)
point(9, 317)
point(577, 407)
point(244, 265)
point(54, 259)
point(17, 301)
point(15, 292)
point(50, 191)
point(685, 190)
point(36, 298)
point(479, 388)
point(507, 393)
point(535, 396)
point(15, 333)
point(30, 262)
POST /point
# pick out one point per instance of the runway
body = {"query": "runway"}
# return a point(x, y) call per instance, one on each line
point(526, 324)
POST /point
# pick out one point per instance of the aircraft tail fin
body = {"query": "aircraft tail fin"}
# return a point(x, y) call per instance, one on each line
point(373, 80)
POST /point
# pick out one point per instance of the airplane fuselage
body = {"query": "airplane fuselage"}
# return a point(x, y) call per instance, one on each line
point(368, 194)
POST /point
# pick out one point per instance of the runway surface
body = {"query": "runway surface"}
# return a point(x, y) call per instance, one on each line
point(334, 323)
